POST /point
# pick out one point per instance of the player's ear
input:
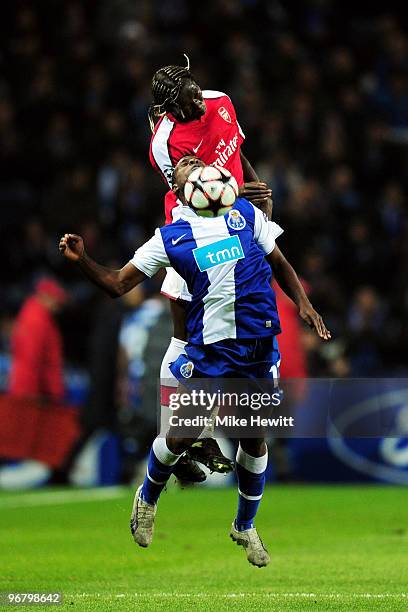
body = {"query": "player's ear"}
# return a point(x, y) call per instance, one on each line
point(175, 186)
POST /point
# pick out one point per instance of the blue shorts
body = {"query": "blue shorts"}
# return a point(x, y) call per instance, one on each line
point(254, 358)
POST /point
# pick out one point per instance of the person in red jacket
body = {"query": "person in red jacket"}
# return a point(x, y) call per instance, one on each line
point(36, 345)
point(294, 363)
point(37, 430)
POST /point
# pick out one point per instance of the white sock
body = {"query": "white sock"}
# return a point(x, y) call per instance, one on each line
point(163, 453)
point(175, 349)
point(168, 382)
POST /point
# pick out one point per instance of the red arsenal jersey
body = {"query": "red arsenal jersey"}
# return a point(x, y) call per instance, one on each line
point(215, 138)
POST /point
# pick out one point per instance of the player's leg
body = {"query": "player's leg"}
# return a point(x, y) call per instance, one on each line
point(178, 316)
point(186, 470)
point(216, 361)
point(250, 465)
point(252, 458)
point(163, 458)
point(206, 450)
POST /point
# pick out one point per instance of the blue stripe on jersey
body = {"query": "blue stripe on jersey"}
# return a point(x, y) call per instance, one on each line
point(254, 263)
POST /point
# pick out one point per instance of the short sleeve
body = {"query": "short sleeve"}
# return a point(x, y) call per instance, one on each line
point(234, 114)
point(240, 130)
point(265, 232)
point(151, 256)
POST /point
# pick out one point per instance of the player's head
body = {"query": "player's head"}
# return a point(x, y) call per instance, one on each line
point(175, 90)
point(181, 173)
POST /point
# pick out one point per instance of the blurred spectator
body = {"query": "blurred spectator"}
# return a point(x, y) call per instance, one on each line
point(145, 331)
point(366, 318)
point(36, 428)
point(100, 411)
point(37, 357)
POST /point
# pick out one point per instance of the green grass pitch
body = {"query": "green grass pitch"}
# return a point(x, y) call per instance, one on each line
point(332, 548)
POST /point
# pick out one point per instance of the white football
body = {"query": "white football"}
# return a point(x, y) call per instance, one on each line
point(211, 191)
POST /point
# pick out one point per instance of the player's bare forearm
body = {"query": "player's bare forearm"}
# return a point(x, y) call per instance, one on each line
point(114, 282)
point(286, 277)
point(289, 282)
point(250, 176)
point(249, 173)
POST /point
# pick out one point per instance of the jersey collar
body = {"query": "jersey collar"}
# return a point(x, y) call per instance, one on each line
point(174, 120)
point(183, 212)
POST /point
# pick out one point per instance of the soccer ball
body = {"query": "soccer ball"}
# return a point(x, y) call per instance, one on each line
point(211, 191)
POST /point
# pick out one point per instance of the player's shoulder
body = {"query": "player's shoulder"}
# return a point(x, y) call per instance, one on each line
point(212, 94)
point(220, 102)
point(171, 229)
point(244, 205)
point(249, 208)
point(241, 214)
point(162, 129)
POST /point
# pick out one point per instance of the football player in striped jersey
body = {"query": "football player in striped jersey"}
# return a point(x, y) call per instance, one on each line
point(228, 263)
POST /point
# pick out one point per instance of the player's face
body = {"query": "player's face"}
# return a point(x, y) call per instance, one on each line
point(183, 170)
point(191, 101)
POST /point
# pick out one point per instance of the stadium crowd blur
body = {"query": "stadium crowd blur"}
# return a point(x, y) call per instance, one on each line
point(321, 91)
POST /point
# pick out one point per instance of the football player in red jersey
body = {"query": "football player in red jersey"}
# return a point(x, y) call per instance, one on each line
point(199, 123)
point(188, 121)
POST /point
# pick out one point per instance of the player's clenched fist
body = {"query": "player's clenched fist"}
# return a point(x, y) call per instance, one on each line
point(71, 246)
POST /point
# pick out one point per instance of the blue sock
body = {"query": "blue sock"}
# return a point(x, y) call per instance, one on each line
point(251, 483)
point(159, 468)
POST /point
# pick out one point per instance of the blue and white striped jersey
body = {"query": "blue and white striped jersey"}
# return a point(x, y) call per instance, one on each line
point(223, 263)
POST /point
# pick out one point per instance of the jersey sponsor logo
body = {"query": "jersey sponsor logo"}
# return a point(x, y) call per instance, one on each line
point(225, 150)
point(235, 220)
point(174, 241)
point(186, 370)
point(218, 253)
point(195, 149)
point(222, 111)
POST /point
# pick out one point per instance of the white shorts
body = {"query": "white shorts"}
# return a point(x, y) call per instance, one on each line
point(175, 287)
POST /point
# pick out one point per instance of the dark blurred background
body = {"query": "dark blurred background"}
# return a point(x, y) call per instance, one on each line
point(321, 91)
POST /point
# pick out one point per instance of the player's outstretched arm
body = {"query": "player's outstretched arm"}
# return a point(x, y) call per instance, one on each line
point(289, 282)
point(262, 200)
point(114, 282)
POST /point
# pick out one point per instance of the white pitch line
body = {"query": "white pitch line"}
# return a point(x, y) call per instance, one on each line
point(57, 498)
point(266, 595)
